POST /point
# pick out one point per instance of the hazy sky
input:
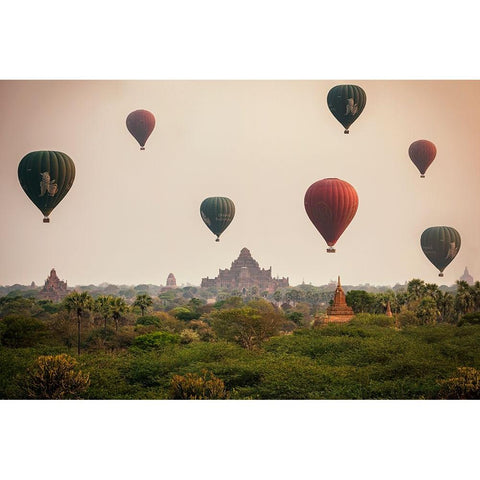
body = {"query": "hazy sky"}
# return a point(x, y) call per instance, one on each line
point(133, 216)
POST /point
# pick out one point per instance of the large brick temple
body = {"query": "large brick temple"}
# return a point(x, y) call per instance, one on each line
point(54, 288)
point(245, 273)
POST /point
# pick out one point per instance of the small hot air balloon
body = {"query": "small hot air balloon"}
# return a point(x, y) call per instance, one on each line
point(331, 205)
point(346, 102)
point(217, 213)
point(140, 124)
point(422, 153)
point(440, 245)
point(46, 177)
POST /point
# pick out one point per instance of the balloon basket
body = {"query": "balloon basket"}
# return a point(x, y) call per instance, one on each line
point(330, 250)
point(142, 148)
point(346, 132)
point(440, 274)
point(217, 240)
point(422, 176)
point(46, 220)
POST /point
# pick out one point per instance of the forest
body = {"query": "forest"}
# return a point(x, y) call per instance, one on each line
point(177, 345)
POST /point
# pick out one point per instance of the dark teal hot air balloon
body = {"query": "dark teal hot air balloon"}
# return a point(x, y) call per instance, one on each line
point(440, 245)
point(217, 213)
point(346, 102)
point(46, 177)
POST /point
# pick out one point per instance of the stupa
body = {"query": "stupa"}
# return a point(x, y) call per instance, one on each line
point(339, 311)
point(466, 277)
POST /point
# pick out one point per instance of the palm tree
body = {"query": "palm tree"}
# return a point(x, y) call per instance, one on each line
point(118, 306)
point(445, 305)
point(464, 299)
point(416, 289)
point(143, 301)
point(78, 303)
point(476, 295)
point(103, 307)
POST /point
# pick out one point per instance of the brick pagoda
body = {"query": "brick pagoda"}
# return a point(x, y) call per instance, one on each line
point(339, 311)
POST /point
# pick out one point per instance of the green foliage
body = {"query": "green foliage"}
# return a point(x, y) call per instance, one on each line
point(366, 319)
point(406, 318)
point(185, 313)
point(18, 331)
point(55, 377)
point(359, 300)
point(148, 320)
point(249, 326)
point(192, 386)
point(155, 340)
point(427, 311)
point(188, 336)
point(143, 301)
point(470, 319)
point(464, 386)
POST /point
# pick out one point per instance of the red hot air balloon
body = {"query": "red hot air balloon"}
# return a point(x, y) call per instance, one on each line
point(422, 154)
point(331, 205)
point(140, 124)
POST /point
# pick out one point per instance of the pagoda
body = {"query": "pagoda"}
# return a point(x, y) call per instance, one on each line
point(466, 277)
point(339, 311)
point(171, 281)
point(54, 288)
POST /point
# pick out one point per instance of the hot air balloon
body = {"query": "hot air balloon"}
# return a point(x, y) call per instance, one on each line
point(422, 154)
point(331, 205)
point(46, 177)
point(346, 102)
point(217, 213)
point(440, 245)
point(140, 124)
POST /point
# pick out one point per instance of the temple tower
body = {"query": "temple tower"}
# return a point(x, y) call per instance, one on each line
point(339, 311)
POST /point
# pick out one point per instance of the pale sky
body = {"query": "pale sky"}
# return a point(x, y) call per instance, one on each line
point(133, 216)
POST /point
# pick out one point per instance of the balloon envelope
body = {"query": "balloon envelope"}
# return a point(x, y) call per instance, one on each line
point(46, 177)
point(217, 213)
point(422, 153)
point(331, 205)
point(346, 102)
point(140, 124)
point(440, 245)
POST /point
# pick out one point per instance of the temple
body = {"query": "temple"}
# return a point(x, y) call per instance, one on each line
point(466, 277)
point(245, 273)
point(339, 311)
point(171, 281)
point(54, 288)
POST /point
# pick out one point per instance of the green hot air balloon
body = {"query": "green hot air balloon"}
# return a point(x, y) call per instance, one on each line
point(217, 213)
point(46, 177)
point(440, 245)
point(346, 102)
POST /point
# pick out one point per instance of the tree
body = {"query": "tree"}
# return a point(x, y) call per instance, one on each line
point(198, 387)
point(360, 300)
point(19, 331)
point(427, 311)
point(415, 290)
point(55, 377)
point(103, 305)
point(143, 301)
point(464, 298)
point(247, 326)
point(446, 305)
point(277, 296)
point(118, 307)
point(79, 303)
point(465, 386)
